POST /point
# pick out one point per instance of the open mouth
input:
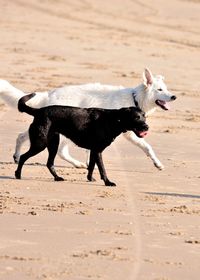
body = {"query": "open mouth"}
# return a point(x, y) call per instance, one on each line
point(163, 104)
point(141, 134)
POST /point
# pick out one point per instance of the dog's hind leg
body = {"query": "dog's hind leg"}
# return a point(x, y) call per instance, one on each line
point(31, 152)
point(38, 144)
point(52, 147)
point(22, 137)
point(102, 171)
point(63, 152)
point(141, 143)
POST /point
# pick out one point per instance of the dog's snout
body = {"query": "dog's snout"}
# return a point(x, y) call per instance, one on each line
point(173, 97)
point(145, 126)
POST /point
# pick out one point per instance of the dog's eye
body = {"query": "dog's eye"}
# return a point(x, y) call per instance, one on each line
point(159, 89)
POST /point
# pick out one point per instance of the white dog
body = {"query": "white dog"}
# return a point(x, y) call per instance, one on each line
point(149, 95)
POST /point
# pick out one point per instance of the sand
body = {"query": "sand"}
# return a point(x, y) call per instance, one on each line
point(148, 227)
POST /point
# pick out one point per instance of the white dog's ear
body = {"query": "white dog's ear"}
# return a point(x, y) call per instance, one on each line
point(147, 77)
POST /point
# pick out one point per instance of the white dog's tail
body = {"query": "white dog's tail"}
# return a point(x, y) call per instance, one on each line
point(9, 94)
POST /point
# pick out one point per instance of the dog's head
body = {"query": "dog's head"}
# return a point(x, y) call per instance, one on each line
point(157, 91)
point(134, 119)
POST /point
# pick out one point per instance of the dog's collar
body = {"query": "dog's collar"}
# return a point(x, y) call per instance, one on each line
point(134, 99)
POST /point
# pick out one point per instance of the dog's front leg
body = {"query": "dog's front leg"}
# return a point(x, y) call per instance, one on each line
point(102, 171)
point(91, 167)
point(63, 152)
point(140, 142)
point(22, 137)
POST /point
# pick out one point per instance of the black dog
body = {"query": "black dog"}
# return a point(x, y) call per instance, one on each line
point(93, 129)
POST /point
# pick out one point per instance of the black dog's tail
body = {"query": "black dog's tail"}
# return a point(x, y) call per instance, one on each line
point(22, 107)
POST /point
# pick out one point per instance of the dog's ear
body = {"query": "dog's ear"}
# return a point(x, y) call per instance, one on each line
point(125, 113)
point(124, 110)
point(147, 77)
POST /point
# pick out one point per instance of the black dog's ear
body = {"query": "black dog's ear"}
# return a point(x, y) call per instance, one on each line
point(129, 110)
point(131, 113)
point(124, 114)
point(125, 110)
point(137, 110)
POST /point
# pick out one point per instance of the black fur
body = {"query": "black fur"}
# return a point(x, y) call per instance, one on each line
point(93, 129)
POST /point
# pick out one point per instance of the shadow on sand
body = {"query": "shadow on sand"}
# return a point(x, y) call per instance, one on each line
point(174, 194)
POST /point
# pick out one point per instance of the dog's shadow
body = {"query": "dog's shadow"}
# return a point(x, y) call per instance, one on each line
point(6, 178)
point(83, 183)
point(174, 194)
point(30, 164)
point(95, 183)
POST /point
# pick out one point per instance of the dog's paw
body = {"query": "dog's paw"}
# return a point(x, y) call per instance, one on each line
point(91, 179)
point(159, 166)
point(59, 178)
point(79, 164)
point(109, 183)
point(17, 175)
point(16, 159)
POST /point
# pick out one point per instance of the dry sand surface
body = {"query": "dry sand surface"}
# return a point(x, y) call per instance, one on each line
point(148, 227)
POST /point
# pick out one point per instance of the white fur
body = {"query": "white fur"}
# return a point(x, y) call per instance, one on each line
point(94, 95)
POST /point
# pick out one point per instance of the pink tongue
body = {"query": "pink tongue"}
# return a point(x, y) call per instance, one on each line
point(143, 133)
point(165, 104)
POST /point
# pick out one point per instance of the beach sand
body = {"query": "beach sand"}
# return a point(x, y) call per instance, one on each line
point(148, 227)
